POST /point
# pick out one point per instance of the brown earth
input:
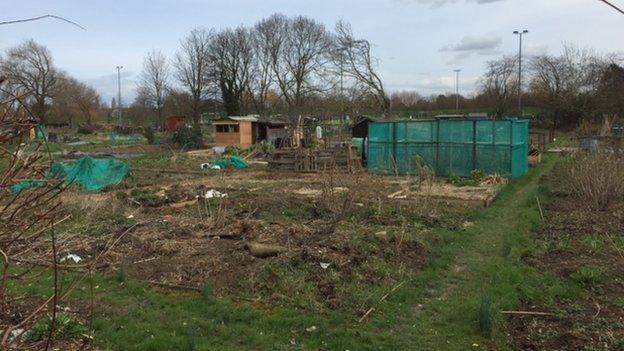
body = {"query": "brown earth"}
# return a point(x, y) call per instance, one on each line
point(576, 239)
point(188, 241)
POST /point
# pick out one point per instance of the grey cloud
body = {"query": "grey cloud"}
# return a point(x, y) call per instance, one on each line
point(475, 44)
point(482, 46)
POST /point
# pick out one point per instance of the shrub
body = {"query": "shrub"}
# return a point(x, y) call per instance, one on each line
point(597, 178)
point(121, 275)
point(264, 147)
point(148, 133)
point(85, 130)
point(232, 150)
point(454, 179)
point(208, 291)
point(65, 328)
point(477, 175)
point(187, 138)
point(588, 277)
point(487, 316)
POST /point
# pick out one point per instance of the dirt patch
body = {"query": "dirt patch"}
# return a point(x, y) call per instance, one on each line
point(21, 307)
point(181, 253)
point(326, 225)
point(477, 195)
point(583, 247)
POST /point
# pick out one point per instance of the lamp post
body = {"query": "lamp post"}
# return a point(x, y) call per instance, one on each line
point(457, 89)
point(520, 34)
point(119, 93)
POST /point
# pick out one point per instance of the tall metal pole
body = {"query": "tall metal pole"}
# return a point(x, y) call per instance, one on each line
point(457, 89)
point(119, 93)
point(520, 34)
point(342, 97)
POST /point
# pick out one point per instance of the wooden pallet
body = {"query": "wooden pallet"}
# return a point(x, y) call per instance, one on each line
point(306, 160)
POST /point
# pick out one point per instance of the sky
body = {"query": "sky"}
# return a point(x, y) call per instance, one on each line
point(418, 42)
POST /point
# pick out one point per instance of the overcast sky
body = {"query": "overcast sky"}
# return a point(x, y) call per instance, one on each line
point(418, 42)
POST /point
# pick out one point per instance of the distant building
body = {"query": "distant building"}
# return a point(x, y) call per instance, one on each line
point(172, 123)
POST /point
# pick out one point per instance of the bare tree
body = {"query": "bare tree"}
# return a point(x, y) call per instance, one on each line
point(28, 68)
point(74, 101)
point(499, 83)
point(88, 101)
point(611, 91)
point(193, 69)
point(353, 58)
point(231, 53)
point(267, 39)
point(299, 51)
point(154, 80)
point(565, 84)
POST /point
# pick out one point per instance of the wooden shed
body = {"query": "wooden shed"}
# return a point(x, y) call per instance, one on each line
point(248, 130)
point(234, 131)
point(360, 126)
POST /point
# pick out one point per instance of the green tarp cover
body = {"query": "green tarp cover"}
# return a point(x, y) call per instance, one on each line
point(90, 174)
point(233, 161)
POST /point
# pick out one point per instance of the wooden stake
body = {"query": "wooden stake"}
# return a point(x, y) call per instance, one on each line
point(383, 298)
point(539, 206)
point(370, 310)
point(531, 313)
point(173, 286)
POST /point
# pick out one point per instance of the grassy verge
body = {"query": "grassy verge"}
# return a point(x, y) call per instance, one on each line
point(477, 273)
point(452, 304)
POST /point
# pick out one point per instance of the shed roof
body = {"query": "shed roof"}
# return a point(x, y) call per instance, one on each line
point(239, 119)
point(366, 119)
point(275, 120)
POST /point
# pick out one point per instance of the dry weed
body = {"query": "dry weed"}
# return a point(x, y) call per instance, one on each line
point(597, 178)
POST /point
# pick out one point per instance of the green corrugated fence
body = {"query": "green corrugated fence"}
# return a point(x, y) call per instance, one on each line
point(449, 147)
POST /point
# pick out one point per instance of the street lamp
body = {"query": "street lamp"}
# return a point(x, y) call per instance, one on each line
point(457, 89)
point(119, 93)
point(520, 34)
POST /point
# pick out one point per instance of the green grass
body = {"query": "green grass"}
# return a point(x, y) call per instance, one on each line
point(452, 304)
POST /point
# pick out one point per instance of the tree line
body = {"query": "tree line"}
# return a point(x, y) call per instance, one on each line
point(296, 66)
point(289, 65)
point(560, 90)
point(49, 93)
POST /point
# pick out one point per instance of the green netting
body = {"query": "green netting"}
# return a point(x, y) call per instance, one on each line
point(232, 161)
point(27, 184)
point(449, 147)
point(91, 174)
point(41, 132)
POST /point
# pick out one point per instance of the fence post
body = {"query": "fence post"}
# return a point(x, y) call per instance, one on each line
point(437, 146)
point(394, 146)
point(474, 145)
point(511, 126)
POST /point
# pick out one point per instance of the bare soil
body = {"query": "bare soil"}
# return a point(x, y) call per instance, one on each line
point(338, 227)
point(578, 239)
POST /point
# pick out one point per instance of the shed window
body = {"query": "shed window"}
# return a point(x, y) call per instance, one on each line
point(227, 128)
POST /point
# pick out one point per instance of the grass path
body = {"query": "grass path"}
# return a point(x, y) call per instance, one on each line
point(484, 260)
